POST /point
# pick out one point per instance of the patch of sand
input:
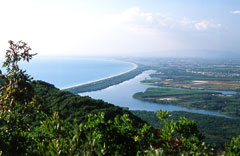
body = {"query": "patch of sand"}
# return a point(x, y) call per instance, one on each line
point(168, 99)
point(200, 82)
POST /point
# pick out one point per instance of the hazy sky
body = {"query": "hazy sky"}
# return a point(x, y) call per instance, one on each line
point(120, 27)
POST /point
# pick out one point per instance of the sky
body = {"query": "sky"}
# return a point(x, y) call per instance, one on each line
point(121, 27)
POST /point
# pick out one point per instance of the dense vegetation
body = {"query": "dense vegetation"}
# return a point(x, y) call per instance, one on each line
point(102, 84)
point(193, 99)
point(168, 92)
point(30, 125)
point(217, 130)
point(70, 106)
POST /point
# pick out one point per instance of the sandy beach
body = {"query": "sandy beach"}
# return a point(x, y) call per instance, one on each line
point(81, 84)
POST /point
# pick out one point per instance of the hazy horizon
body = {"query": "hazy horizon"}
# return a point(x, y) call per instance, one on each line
point(123, 28)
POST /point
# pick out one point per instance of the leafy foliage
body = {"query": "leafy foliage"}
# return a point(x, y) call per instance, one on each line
point(18, 104)
point(233, 148)
point(217, 130)
point(95, 137)
point(16, 89)
point(181, 137)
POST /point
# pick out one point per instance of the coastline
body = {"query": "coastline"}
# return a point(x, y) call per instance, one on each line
point(107, 82)
point(135, 66)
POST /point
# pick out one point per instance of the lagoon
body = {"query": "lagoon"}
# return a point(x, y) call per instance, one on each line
point(121, 95)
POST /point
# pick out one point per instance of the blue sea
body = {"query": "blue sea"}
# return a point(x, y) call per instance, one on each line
point(65, 72)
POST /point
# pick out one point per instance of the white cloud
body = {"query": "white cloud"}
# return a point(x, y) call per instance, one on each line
point(135, 15)
point(235, 12)
point(132, 16)
point(135, 18)
point(199, 25)
point(202, 25)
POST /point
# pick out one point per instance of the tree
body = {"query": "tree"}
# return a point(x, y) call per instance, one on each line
point(16, 89)
point(96, 136)
point(181, 137)
point(17, 101)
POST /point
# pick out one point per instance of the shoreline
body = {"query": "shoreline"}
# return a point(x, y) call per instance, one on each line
point(135, 66)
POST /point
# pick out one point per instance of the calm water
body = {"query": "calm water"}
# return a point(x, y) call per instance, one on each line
point(121, 95)
point(68, 72)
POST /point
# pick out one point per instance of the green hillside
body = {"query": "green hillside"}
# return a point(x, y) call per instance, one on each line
point(72, 106)
point(217, 130)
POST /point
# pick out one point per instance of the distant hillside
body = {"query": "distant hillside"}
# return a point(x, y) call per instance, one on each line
point(72, 106)
point(217, 130)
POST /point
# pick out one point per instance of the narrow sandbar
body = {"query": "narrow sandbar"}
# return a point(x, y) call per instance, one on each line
point(135, 66)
